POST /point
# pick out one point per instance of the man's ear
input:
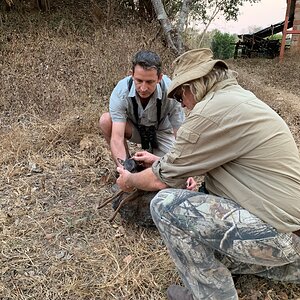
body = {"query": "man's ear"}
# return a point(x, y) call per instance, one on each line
point(160, 77)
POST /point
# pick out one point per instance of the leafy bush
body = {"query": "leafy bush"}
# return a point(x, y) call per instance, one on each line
point(223, 45)
point(277, 36)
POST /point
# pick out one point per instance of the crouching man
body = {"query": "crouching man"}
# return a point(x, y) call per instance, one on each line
point(246, 217)
point(140, 111)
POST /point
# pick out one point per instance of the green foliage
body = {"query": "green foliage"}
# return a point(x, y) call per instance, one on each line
point(277, 36)
point(223, 45)
point(204, 9)
point(172, 8)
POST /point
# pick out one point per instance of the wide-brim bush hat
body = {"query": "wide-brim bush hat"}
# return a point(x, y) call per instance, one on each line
point(192, 65)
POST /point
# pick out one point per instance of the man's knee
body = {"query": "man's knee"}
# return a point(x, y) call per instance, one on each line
point(160, 202)
point(105, 123)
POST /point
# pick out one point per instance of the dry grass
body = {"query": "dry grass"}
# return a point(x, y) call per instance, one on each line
point(57, 71)
point(55, 244)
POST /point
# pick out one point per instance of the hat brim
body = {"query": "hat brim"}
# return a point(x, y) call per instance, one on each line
point(195, 73)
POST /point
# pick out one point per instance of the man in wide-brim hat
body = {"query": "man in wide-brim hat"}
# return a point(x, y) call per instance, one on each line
point(245, 218)
point(192, 65)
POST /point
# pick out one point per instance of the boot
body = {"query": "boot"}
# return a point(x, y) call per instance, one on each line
point(177, 292)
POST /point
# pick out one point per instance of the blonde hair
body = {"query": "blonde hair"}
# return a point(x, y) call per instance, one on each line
point(201, 86)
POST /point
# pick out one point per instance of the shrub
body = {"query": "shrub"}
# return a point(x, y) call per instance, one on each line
point(223, 45)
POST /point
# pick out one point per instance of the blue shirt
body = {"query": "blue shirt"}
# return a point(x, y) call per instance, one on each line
point(121, 106)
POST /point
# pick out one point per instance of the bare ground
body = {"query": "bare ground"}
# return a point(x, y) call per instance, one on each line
point(56, 77)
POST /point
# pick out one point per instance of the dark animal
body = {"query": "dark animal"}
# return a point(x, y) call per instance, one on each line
point(131, 165)
point(134, 207)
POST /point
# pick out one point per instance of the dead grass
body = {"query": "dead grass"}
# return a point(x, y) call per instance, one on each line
point(57, 72)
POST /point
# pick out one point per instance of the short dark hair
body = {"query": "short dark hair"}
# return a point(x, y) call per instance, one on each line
point(147, 60)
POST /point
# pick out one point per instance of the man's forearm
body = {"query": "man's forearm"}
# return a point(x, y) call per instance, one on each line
point(145, 180)
point(118, 150)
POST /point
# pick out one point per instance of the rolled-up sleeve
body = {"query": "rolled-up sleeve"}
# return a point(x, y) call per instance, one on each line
point(118, 104)
point(176, 166)
point(201, 145)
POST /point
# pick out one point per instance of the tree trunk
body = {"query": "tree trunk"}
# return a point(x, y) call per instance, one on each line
point(210, 19)
point(182, 21)
point(165, 23)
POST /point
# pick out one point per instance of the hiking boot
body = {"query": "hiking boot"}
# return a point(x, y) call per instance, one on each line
point(177, 292)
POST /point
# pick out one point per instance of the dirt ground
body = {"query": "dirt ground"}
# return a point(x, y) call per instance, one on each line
point(57, 72)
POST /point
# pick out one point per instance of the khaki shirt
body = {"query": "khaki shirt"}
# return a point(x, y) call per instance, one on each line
point(246, 152)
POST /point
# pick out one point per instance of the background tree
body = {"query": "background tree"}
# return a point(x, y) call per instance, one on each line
point(187, 12)
point(223, 45)
point(206, 11)
point(167, 27)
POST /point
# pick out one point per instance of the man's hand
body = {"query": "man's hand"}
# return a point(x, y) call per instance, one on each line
point(191, 184)
point(146, 158)
point(123, 179)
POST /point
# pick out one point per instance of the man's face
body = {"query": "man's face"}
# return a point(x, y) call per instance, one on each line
point(145, 81)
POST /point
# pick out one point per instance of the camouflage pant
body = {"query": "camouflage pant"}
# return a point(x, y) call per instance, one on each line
point(209, 238)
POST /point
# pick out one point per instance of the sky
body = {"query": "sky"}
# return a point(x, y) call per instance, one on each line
point(262, 15)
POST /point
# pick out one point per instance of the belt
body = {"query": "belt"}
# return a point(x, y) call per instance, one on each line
point(297, 232)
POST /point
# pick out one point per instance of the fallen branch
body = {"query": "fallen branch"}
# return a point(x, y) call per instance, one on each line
point(110, 199)
point(130, 197)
